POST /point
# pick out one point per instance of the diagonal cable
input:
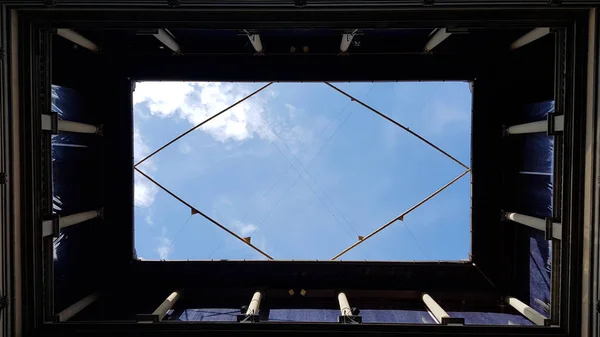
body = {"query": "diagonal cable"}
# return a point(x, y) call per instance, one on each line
point(305, 168)
point(196, 211)
point(178, 232)
point(401, 216)
point(202, 123)
point(397, 124)
point(415, 238)
point(300, 175)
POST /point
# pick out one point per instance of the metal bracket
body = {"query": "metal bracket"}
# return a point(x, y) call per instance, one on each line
point(50, 122)
point(174, 3)
point(550, 131)
point(453, 321)
point(51, 226)
point(243, 318)
point(50, 3)
point(549, 229)
point(354, 319)
point(299, 3)
point(147, 318)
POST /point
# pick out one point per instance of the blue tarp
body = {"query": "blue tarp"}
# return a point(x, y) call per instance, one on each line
point(77, 165)
point(490, 318)
point(368, 316)
point(533, 181)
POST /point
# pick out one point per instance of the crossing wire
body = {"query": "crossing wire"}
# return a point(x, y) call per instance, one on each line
point(305, 170)
point(202, 123)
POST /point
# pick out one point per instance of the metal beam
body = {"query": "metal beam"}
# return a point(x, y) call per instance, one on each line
point(251, 313)
point(76, 308)
point(401, 216)
point(346, 41)
point(439, 313)
point(168, 40)
point(255, 41)
point(539, 126)
point(159, 313)
point(52, 123)
point(202, 123)
point(52, 226)
point(397, 124)
point(530, 37)
point(347, 313)
point(345, 309)
point(438, 37)
point(196, 211)
point(77, 39)
point(533, 222)
point(526, 311)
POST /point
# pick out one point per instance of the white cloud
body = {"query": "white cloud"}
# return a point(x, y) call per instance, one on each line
point(196, 102)
point(140, 149)
point(246, 229)
point(144, 190)
point(164, 245)
point(291, 110)
point(185, 148)
point(149, 220)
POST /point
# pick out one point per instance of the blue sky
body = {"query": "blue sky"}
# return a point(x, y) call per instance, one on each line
point(302, 170)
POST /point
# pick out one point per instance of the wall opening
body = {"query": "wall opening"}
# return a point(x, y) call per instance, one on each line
point(300, 171)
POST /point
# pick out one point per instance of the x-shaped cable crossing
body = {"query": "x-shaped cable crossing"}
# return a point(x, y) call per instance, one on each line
point(361, 239)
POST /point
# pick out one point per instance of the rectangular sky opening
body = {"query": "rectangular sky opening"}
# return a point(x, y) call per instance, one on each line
point(302, 171)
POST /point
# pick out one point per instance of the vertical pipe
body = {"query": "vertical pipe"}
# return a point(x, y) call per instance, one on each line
point(533, 127)
point(345, 309)
point(436, 39)
point(539, 224)
point(346, 40)
point(256, 43)
point(166, 305)
point(77, 39)
point(168, 40)
point(526, 310)
point(589, 299)
point(69, 126)
point(254, 305)
point(530, 37)
point(440, 314)
point(76, 308)
point(74, 219)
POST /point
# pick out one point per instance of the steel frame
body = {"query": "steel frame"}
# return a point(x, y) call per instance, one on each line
point(571, 84)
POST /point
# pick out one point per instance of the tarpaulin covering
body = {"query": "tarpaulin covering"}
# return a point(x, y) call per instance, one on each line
point(368, 316)
point(530, 180)
point(491, 318)
point(77, 187)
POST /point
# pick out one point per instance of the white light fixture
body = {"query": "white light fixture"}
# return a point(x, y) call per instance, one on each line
point(437, 38)
point(530, 37)
point(77, 39)
point(168, 40)
point(255, 41)
point(346, 41)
